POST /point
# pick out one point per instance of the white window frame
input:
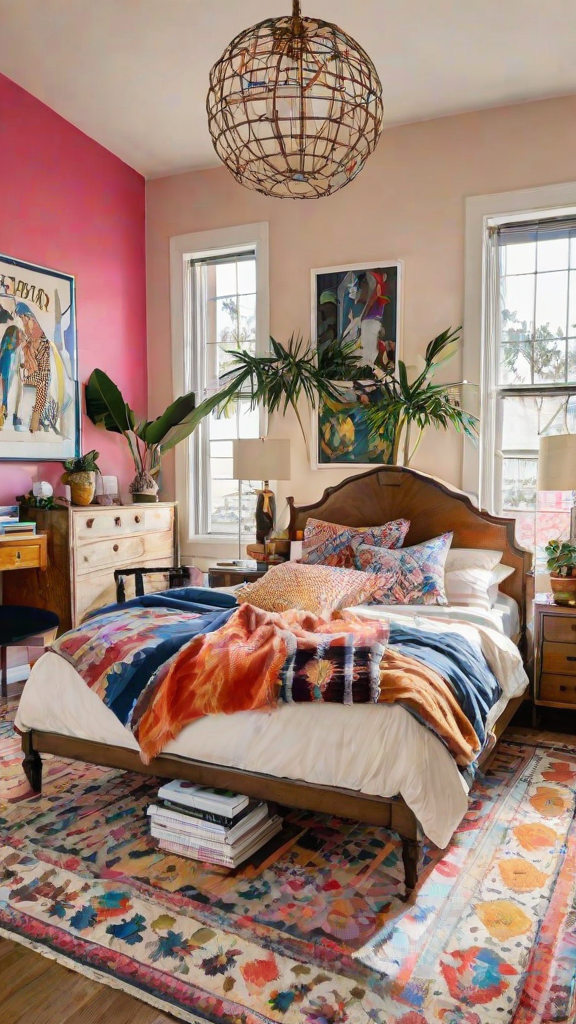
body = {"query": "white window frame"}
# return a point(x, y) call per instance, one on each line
point(478, 363)
point(183, 249)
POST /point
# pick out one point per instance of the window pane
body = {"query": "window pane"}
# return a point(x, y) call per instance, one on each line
point(249, 420)
point(549, 361)
point(551, 304)
point(572, 304)
point(221, 449)
point(519, 478)
point(226, 278)
point(223, 428)
point(227, 320)
point(247, 321)
point(518, 259)
point(516, 362)
point(526, 417)
point(517, 305)
point(246, 276)
point(552, 254)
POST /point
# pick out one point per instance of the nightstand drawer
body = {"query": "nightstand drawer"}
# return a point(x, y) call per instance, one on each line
point(559, 659)
point(559, 628)
point(20, 556)
point(559, 689)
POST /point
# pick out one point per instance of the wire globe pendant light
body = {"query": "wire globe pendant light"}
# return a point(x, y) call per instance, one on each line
point(294, 107)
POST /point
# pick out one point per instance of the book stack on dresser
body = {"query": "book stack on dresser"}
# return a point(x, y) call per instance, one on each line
point(211, 825)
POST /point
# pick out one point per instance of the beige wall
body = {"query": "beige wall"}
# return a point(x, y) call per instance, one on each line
point(408, 204)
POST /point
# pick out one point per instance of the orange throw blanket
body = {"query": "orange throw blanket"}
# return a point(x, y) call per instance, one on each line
point(235, 668)
point(406, 681)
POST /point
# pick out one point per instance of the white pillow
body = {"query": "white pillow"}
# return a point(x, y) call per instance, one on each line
point(472, 558)
point(477, 588)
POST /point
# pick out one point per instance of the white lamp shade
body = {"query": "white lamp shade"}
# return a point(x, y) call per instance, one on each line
point(557, 463)
point(262, 458)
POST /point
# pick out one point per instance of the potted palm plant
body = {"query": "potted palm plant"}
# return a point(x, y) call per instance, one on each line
point(561, 564)
point(147, 440)
point(394, 405)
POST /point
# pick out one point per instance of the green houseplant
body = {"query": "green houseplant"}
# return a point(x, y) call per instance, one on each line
point(80, 475)
point(561, 564)
point(394, 405)
point(147, 440)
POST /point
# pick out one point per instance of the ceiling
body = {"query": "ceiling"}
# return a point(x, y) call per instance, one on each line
point(133, 73)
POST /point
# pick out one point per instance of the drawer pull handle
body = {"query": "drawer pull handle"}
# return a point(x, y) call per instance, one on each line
point(118, 521)
point(571, 657)
point(137, 519)
point(115, 547)
point(563, 689)
point(18, 555)
point(89, 523)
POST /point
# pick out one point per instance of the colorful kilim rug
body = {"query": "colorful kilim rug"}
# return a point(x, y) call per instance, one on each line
point(313, 932)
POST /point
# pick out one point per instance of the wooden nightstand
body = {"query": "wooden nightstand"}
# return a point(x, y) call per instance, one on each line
point(554, 654)
point(221, 576)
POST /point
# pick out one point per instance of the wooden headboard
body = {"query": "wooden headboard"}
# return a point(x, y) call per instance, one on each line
point(433, 507)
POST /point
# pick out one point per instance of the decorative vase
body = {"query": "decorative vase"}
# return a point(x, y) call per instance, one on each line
point(82, 486)
point(564, 589)
point(144, 488)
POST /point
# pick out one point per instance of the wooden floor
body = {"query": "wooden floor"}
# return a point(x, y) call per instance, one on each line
point(35, 990)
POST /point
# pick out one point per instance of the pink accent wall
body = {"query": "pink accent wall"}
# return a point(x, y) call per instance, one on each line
point(68, 203)
point(408, 203)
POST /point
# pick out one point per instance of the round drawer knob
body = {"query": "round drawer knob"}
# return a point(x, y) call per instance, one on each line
point(118, 521)
point(137, 519)
point(89, 523)
point(115, 547)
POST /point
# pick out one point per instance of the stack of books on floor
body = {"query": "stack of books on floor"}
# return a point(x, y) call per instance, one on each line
point(211, 825)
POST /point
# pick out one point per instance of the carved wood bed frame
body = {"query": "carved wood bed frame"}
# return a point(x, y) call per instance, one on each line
point(368, 499)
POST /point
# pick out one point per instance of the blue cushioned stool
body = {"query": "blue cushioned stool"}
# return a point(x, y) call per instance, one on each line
point(21, 626)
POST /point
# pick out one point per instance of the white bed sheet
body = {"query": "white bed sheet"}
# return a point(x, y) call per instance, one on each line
point(504, 616)
point(379, 750)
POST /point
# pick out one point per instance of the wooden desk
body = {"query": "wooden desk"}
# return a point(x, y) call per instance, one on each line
point(23, 552)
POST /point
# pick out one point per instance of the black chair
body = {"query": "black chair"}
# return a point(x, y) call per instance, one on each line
point(21, 626)
point(178, 576)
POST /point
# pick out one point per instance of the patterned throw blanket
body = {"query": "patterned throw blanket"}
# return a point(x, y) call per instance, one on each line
point(162, 661)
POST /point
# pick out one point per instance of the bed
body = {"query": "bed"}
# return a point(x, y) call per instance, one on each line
point(385, 769)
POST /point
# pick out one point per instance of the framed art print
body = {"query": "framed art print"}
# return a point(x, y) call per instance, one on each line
point(39, 392)
point(360, 303)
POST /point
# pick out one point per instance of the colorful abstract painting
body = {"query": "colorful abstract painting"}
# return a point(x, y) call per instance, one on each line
point(39, 404)
point(359, 304)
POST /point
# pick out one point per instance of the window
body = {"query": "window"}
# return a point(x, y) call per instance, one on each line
point(223, 310)
point(219, 300)
point(533, 268)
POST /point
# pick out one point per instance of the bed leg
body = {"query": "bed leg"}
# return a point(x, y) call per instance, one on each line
point(32, 763)
point(410, 858)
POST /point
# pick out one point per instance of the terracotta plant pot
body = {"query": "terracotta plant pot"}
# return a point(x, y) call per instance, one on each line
point(82, 487)
point(563, 589)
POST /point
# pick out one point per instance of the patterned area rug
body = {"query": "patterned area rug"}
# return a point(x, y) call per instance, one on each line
point(313, 932)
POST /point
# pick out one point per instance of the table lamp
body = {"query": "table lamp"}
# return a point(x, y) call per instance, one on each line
point(557, 468)
point(262, 458)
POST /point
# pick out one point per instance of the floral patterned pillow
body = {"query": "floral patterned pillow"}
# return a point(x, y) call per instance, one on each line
point(410, 576)
point(331, 544)
point(311, 588)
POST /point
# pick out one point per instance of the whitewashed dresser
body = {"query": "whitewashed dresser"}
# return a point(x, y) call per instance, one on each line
point(85, 546)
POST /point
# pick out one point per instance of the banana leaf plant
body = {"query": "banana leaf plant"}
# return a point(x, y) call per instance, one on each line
point(148, 440)
point(394, 405)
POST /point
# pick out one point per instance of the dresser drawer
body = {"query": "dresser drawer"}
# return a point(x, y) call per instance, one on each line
point(114, 522)
point(559, 689)
point(20, 556)
point(118, 552)
point(559, 658)
point(559, 628)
